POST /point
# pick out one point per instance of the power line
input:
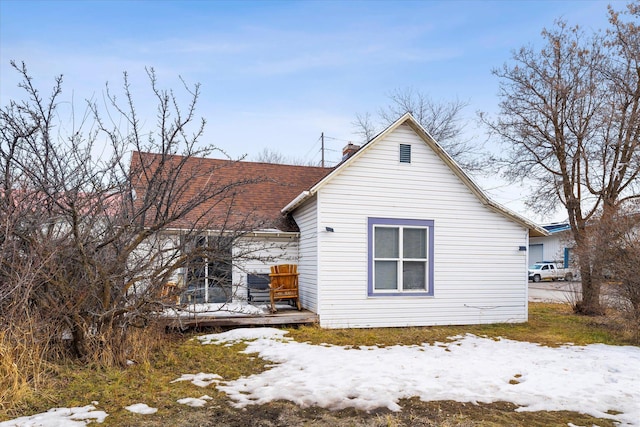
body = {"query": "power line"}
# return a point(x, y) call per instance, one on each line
point(337, 139)
point(323, 149)
point(312, 147)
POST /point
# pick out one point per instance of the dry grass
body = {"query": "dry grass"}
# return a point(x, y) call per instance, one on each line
point(13, 379)
point(149, 380)
point(623, 315)
point(549, 324)
point(23, 368)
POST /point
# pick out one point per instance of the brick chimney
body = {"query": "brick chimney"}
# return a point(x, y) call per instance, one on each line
point(349, 150)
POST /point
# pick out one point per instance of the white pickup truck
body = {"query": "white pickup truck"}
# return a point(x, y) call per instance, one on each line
point(549, 271)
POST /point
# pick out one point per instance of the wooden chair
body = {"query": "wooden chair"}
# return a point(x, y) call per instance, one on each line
point(169, 293)
point(284, 284)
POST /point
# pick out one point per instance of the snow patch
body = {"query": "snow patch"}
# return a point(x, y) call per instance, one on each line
point(243, 334)
point(59, 417)
point(201, 379)
point(195, 402)
point(215, 310)
point(141, 408)
point(593, 379)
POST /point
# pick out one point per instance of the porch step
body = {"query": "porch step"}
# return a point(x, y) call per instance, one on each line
point(282, 317)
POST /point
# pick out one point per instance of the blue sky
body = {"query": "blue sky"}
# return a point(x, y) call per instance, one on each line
point(278, 73)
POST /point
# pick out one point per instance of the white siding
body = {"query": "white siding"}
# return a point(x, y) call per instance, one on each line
point(157, 250)
point(257, 255)
point(553, 246)
point(479, 272)
point(306, 219)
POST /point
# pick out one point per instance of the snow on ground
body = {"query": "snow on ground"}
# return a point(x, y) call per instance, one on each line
point(590, 379)
point(243, 334)
point(200, 380)
point(59, 417)
point(214, 310)
point(141, 408)
point(195, 402)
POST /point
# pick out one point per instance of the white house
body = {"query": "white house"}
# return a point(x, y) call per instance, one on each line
point(395, 235)
point(399, 235)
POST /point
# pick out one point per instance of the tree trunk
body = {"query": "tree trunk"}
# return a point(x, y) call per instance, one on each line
point(590, 303)
point(79, 343)
point(590, 273)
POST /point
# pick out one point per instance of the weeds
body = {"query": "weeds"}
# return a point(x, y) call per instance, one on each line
point(23, 367)
point(29, 385)
point(549, 324)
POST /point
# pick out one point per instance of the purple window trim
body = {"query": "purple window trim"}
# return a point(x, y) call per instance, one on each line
point(426, 223)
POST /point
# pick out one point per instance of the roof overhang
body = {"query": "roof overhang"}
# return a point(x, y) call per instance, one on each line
point(300, 198)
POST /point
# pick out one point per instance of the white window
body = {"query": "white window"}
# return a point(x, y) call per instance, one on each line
point(400, 257)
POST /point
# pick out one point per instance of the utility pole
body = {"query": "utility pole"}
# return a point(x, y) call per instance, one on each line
point(322, 149)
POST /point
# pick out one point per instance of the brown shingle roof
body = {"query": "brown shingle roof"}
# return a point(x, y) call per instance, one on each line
point(239, 194)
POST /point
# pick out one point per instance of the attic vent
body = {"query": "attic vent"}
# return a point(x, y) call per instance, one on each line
point(405, 153)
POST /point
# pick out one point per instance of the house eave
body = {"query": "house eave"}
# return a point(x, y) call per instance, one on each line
point(273, 233)
point(300, 198)
point(534, 229)
point(252, 233)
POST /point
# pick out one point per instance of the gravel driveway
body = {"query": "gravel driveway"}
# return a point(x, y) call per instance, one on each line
point(559, 291)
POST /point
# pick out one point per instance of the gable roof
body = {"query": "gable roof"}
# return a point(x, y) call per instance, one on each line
point(534, 229)
point(252, 193)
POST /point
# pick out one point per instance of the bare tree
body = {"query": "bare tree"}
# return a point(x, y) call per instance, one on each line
point(441, 119)
point(83, 247)
point(365, 128)
point(269, 155)
point(570, 119)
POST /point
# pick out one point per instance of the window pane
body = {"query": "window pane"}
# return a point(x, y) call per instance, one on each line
point(195, 291)
point(414, 243)
point(413, 275)
point(219, 280)
point(219, 293)
point(386, 275)
point(386, 242)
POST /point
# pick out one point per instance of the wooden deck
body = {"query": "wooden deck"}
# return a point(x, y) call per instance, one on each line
point(282, 317)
